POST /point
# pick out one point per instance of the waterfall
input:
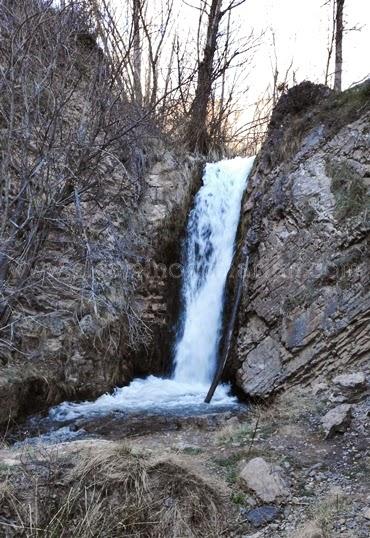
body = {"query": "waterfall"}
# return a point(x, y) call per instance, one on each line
point(208, 253)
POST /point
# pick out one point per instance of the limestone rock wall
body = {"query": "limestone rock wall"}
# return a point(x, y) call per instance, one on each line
point(172, 184)
point(305, 221)
point(76, 332)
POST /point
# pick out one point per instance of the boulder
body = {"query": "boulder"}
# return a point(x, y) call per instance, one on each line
point(265, 480)
point(262, 515)
point(337, 420)
point(351, 386)
point(262, 369)
point(356, 380)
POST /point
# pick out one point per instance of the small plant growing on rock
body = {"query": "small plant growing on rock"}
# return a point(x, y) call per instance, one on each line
point(349, 189)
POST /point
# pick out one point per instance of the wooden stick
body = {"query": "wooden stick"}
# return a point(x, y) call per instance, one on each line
point(229, 331)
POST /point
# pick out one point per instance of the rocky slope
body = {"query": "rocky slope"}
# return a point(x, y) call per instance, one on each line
point(305, 308)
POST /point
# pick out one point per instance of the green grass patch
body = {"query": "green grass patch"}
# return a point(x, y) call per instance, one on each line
point(349, 189)
point(238, 498)
point(230, 465)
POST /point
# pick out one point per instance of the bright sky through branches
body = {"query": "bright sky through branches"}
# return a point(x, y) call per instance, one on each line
point(301, 30)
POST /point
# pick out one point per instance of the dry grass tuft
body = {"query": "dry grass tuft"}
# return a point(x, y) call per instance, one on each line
point(289, 412)
point(323, 515)
point(108, 492)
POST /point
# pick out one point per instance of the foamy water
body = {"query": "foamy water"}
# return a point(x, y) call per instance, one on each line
point(209, 249)
point(153, 393)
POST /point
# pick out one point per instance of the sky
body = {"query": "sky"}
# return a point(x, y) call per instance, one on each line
point(302, 31)
point(302, 28)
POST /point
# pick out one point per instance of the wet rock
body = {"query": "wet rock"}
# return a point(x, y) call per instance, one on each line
point(119, 425)
point(265, 480)
point(262, 515)
point(337, 420)
point(74, 427)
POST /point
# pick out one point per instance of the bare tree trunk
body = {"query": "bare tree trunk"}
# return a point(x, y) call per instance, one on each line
point(338, 46)
point(331, 44)
point(224, 73)
point(197, 131)
point(275, 73)
point(136, 60)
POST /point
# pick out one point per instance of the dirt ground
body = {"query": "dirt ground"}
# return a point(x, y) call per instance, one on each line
point(328, 479)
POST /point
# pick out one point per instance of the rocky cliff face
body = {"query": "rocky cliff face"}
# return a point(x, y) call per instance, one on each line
point(171, 185)
point(72, 344)
point(93, 203)
point(305, 222)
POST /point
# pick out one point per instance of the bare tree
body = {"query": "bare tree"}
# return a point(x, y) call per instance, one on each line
point(136, 49)
point(137, 11)
point(331, 42)
point(212, 66)
point(280, 81)
point(67, 127)
point(338, 45)
point(154, 43)
point(161, 79)
point(197, 130)
point(335, 41)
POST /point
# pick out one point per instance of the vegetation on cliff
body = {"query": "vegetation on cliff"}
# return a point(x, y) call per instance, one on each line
point(82, 166)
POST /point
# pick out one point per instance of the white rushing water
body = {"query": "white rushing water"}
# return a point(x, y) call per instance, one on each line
point(209, 249)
